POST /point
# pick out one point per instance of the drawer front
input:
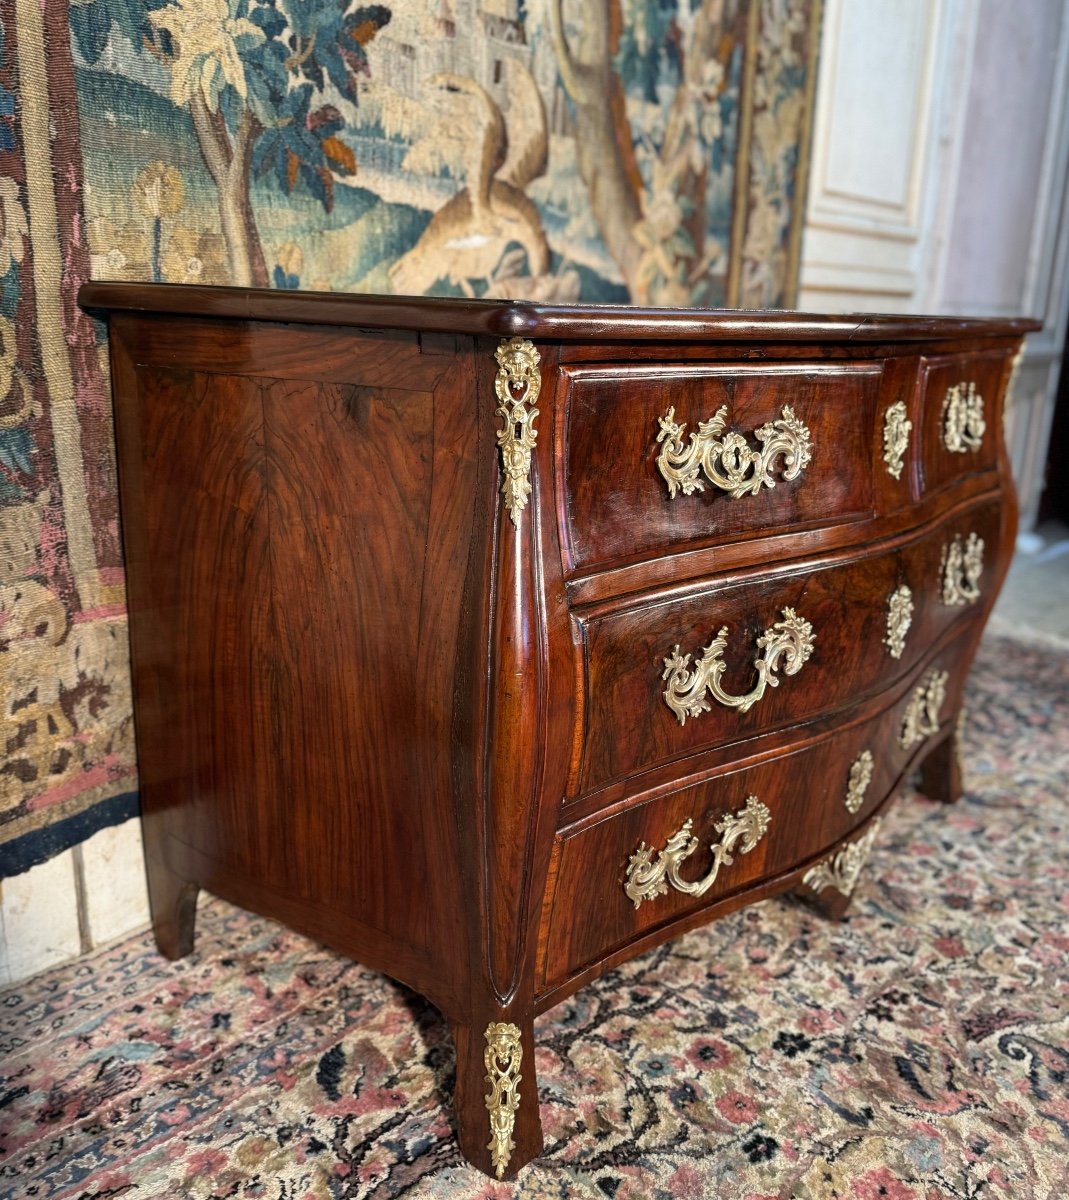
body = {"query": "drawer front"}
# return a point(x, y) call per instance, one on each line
point(657, 861)
point(771, 651)
point(730, 462)
point(960, 399)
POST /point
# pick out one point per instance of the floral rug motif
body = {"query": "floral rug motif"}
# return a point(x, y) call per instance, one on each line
point(918, 1050)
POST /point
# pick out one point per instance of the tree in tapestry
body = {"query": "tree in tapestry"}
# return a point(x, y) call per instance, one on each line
point(253, 78)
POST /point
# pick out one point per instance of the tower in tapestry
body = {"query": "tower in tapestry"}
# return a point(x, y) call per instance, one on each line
point(642, 151)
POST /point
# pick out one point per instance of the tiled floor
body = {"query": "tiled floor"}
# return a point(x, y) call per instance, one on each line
point(1035, 599)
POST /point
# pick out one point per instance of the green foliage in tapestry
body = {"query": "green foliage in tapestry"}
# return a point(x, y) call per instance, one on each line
point(255, 77)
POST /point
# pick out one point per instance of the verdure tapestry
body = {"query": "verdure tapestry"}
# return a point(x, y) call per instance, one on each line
point(634, 151)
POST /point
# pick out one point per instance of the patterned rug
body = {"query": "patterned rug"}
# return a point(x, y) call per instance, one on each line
point(918, 1050)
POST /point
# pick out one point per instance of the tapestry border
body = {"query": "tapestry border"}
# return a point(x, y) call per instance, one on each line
point(39, 845)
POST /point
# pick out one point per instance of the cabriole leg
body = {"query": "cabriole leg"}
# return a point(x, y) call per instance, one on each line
point(496, 1098)
point(173, 904)
point(830, 903)
point(941, 769)
point(829, 884)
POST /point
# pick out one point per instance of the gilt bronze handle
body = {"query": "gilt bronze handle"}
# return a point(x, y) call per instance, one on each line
point(963, 418)
point(648, 878)
point(791, 638)
point(963, 564)
point(726, 460)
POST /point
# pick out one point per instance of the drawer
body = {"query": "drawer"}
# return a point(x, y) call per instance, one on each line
point(960, 402)
point(804, 802)
point(723, 430)
point(673, 676)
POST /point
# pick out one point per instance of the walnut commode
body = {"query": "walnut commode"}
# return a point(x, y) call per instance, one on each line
point(493, 644)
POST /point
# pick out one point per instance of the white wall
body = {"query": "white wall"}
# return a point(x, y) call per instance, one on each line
point(83, 898)
point(883, 69)
point(939, 178)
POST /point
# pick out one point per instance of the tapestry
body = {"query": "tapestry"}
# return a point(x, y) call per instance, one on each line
point(630, 151)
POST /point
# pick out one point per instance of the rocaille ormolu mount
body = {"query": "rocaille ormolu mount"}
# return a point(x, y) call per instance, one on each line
point(493, 644)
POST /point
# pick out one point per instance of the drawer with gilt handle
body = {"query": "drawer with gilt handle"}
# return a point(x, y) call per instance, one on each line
point(703, 454)
point(711, 454)
point(958, 436)
point(673, 675)
point(659, 858)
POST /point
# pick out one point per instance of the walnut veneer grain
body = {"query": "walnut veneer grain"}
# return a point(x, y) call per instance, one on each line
point(376, 704)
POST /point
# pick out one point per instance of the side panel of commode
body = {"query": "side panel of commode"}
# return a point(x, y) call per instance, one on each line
point(299, 514)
